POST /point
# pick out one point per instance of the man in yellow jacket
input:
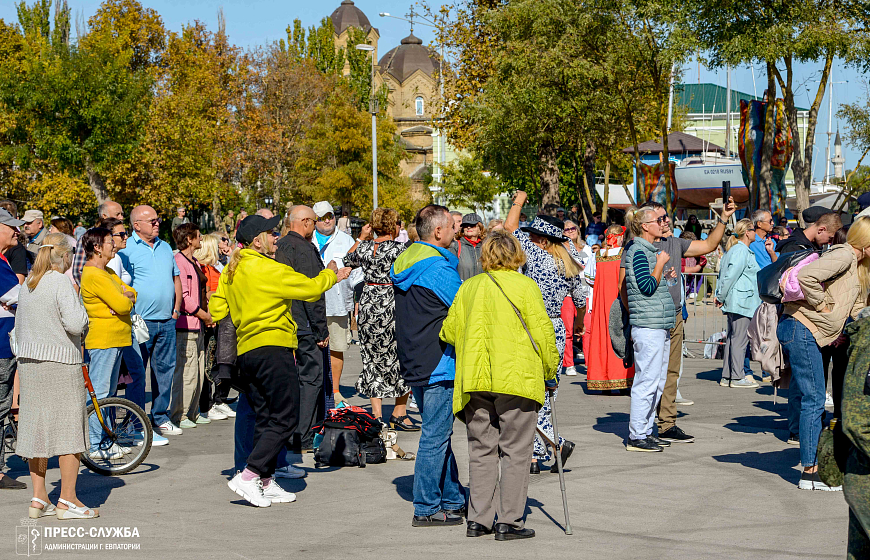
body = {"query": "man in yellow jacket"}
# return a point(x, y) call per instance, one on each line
point(257, 292)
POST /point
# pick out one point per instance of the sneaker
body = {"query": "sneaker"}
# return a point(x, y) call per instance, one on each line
point(170, 429)
point(645, 445)
point(571, 370)
point(658, 441)
point(277, 495)
point(109, 454)
point(216, 413)
point(157, 440)
point(724, 382)
point(412, 404)
point(203, 419)
point(290, 472)
point(250, 490)
point(829, 400)
point(225, 408)
point(746, 383)
point(811, 481)
point(675, 435)
point(766, 379)
point(187, 423)
point(684, 402)
point(793, 439)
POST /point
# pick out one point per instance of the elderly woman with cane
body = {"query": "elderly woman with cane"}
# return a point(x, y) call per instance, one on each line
point(505, 355)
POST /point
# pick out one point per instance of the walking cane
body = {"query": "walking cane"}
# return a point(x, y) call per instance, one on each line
point(558, 453)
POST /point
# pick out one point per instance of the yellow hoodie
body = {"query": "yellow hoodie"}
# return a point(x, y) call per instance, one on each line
point(259, 300)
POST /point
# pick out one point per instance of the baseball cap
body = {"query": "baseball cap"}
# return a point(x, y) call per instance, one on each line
point(323, 208)
point(32, 215)
point(471, 220)
point(813, 213)
point(7, 219)
point(252, 226)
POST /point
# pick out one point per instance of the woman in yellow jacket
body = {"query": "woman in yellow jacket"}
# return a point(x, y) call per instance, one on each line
point(257, 292)
point(500, 380)
point(108, 301)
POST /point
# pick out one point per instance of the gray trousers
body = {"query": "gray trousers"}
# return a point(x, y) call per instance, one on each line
point(735, 346)
point(309, 363)
point(501, 431)
point(7, 380)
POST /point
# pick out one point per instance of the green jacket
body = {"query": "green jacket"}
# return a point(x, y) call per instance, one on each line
point(493, 351)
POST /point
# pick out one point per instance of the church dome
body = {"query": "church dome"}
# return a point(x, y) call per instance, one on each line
point(348, 15)
point(402, 61)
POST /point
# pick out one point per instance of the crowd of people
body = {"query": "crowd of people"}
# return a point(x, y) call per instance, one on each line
point(455, 319)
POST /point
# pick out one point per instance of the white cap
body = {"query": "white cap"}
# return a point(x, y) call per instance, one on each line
point(323, 208)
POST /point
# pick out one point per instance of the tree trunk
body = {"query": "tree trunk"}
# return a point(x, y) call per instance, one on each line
point(666, 161)
point(761, 198)
point(606, 191)
point(548, 170)
point(216, 211)
point(98, 185)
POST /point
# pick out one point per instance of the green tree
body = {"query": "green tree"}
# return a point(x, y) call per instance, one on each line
point(466, 183)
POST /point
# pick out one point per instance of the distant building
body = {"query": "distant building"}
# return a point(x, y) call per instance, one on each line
point(838, 160)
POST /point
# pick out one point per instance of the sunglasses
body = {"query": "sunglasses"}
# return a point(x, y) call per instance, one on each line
point(326, 217)
point(570, 229)
point(153, 222)
point(121, 234)
point(276, 233)
point(663, 219)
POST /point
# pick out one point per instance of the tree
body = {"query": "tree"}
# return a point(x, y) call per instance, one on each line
point(465, 183)
point(779, 35)
point(857, 134)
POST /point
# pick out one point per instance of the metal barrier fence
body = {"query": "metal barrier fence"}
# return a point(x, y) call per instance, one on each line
point(704, 319)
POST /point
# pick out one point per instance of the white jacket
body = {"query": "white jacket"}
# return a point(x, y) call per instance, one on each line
point(339, 298)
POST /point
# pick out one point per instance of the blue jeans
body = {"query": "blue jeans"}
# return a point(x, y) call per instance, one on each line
point(807, 383)
point(135, 390)
point(436, 477)
point(244, 435)
point(103, 371)
point(747, 364)
point(160, 349)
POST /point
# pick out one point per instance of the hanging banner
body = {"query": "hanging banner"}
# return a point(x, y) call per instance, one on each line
point(750, 138)
point(652, 183)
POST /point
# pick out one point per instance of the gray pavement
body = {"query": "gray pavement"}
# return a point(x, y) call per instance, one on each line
point(733, 494)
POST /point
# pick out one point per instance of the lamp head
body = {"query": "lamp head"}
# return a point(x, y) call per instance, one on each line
point(365, 48)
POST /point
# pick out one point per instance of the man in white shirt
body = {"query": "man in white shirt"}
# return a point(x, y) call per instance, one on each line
point(334, 244)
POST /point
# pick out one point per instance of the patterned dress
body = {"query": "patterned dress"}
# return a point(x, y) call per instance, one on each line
point(380, 376)
point(541, 267)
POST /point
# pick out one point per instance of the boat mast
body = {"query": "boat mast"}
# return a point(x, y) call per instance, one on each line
point(728, 112)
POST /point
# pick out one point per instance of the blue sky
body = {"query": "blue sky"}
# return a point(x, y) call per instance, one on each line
point(256, 22)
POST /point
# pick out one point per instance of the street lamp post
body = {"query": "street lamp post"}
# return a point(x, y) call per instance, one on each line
point(373, 107)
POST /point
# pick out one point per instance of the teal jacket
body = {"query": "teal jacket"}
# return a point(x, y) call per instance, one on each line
point(737, 287)
point(650, 304)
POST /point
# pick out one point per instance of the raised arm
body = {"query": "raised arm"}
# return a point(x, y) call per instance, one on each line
point(512, 221)
point(703, 246)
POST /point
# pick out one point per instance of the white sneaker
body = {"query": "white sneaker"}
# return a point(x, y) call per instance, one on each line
point(412, 405)
point(829, 400)
point(278, 495)
point(110, 454)
point(250, 490)
point(290, 472)
point(571, 370)
point(170, 429)
point(813, 482)
point(225, 408)
point(216, 414)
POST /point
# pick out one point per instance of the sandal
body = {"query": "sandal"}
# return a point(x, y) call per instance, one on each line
point(398, 423)
point(46, 509)
point(75, 512)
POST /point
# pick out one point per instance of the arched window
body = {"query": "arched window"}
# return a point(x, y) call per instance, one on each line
point(418, 105)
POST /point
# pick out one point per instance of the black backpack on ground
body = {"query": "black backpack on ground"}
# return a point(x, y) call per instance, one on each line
point(351, 438)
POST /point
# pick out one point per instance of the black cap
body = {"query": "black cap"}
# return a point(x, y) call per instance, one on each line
point(471, 220)
point(812, 214)
point(864, 200)
point(252, 226)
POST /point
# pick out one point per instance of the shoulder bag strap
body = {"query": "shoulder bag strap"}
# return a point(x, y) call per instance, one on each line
point(519, 315)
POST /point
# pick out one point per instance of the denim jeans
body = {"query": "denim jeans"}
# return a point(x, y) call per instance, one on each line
point(436, 476)
point(135, 390)
point(160, 349)
point(103, 371)
point(244, 435)
point(807, 383)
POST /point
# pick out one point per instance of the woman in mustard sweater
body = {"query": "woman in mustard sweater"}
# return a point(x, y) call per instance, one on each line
point(108, 302)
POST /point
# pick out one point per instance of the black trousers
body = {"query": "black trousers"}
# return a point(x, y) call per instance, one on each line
point(312, 406)
point(273, 393)
point(838, 357)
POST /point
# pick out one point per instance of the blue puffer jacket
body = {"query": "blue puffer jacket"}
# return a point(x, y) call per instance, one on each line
point(737, 287)
point(649, 306)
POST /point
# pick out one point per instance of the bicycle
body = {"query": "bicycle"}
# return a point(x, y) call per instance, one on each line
point(126, 433)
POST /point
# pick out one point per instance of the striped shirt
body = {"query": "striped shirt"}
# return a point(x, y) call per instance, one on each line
point(645, 280)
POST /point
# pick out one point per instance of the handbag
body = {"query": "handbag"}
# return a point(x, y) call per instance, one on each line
point(140, 329)
point(768, 277)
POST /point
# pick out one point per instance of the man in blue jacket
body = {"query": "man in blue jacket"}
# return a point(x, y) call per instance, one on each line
point(426, 281)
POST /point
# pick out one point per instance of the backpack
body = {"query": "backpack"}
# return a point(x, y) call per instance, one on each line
point(351, 436)
point(769, 289)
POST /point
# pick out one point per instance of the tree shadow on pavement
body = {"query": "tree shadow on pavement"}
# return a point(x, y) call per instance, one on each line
point(780, 463)
point(405, 487)
point(615, 423)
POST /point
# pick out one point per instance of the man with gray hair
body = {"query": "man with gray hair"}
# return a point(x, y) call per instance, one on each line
point(297, 251)
point(180, 218)
point(762, 247)
point(108, 209)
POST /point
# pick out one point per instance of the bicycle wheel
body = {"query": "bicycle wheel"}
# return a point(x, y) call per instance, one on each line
point(127, 445)
point(8, 438)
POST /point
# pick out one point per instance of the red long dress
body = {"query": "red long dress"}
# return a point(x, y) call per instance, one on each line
point(604, 369)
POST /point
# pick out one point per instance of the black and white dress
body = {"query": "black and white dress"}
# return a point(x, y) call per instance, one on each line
point(380, 376)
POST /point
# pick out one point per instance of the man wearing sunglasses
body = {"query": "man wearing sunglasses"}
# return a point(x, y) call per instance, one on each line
point(108, 209)
point(677, 249)
point(333, 245)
